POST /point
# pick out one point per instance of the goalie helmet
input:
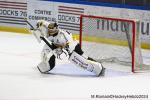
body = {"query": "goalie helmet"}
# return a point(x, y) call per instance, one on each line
point(52, 28)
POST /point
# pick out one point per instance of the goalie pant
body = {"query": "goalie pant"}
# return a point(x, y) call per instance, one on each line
point(76, 57)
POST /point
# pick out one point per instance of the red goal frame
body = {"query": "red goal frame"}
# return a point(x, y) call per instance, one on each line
point(119, 19)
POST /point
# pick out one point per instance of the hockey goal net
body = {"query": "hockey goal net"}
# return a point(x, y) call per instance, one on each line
point(113, 41)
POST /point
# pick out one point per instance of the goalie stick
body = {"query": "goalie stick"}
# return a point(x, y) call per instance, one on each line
point(32, 28)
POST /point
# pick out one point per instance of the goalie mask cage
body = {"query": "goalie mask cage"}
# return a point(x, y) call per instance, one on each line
point(112, 41)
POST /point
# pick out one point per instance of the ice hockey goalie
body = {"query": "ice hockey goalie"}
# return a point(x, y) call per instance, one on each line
point(61, 41)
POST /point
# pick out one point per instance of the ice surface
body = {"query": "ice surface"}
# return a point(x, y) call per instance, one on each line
point(20, 79)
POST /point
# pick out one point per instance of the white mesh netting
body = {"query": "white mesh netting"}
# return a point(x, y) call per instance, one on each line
point(112, 40)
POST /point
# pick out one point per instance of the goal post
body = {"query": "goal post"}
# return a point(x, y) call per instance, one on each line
point(112, 40)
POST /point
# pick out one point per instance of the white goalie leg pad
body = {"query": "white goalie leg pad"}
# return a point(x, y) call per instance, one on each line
point(45, 56)
point(43, 67)
point(88, 65)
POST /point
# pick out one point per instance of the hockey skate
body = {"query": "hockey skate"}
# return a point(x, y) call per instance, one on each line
point(102, 73)
point(99, 70)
